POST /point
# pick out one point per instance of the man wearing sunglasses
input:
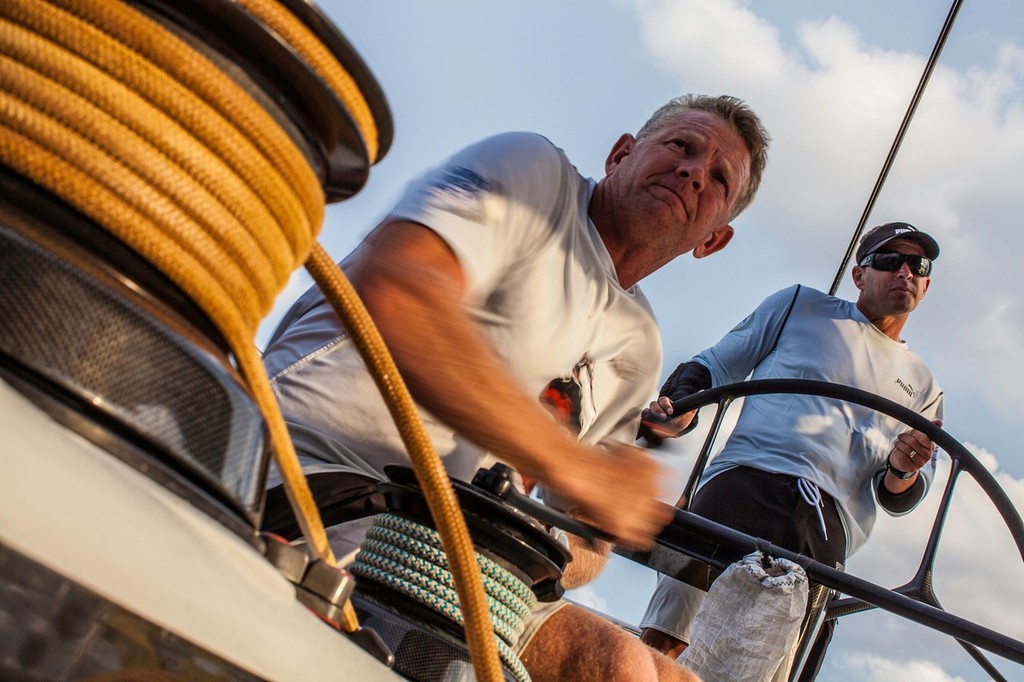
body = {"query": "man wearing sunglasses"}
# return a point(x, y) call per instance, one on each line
point(804, 472)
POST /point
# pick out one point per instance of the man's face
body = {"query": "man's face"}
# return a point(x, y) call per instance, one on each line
point(892, 293)
point(681, 182)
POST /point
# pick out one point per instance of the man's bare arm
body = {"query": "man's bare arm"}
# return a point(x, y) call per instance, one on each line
point(412, 285)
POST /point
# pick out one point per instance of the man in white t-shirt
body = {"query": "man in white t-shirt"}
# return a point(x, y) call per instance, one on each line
point(505, 286)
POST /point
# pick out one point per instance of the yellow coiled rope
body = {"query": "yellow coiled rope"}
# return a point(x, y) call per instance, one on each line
point(320, 58)
point(129, 124)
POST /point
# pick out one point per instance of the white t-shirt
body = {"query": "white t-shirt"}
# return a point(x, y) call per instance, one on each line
point(540, 284)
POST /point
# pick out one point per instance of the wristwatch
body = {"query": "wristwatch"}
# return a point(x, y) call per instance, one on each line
point(902, 475)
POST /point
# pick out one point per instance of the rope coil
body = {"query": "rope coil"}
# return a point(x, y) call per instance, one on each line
point(121, 154)
point(119, 118)
point(393, 555)
point(427, 548)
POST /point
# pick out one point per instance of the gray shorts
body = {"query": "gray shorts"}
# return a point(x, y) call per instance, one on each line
point(537, 618)
point(672, 608)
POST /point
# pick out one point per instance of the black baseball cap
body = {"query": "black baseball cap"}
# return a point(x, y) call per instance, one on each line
point(883, 234)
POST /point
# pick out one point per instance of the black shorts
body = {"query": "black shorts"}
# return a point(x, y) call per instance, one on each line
point(340, 497)
point(769, 506)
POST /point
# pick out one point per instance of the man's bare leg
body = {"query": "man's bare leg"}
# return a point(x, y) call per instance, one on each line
point(575, 644)
point(665, 643)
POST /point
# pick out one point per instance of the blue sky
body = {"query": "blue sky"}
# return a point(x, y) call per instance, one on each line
point(832, 81)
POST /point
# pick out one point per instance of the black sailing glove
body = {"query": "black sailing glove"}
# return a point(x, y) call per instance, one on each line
point(687, 379)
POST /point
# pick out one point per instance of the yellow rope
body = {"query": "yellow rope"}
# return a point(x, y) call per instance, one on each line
point(107, 160)
point(434, 482)
point(124, 121)
point(321, 59)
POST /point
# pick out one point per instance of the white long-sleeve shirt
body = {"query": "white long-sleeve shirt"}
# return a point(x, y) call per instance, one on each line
point(837, 445)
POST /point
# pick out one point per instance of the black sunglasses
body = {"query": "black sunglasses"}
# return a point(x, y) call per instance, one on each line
point(891, 261)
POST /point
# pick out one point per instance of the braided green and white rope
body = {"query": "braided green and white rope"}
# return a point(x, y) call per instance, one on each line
point(429, 548)
point(407, 557)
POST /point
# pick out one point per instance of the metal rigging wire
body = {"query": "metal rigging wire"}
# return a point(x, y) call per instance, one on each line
point(929, 67)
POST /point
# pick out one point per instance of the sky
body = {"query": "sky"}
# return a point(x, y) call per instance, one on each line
point(832, 81)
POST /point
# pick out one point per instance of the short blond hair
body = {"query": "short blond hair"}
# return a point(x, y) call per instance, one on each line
point(737, 114)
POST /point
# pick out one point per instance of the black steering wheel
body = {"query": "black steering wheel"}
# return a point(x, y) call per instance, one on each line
point(692, 537)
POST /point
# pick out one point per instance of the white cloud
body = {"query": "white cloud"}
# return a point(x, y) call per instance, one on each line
point(875, 669)
point(978, 570)
point(987, 459)
point(708, 39)
point(999, 335)
point(587, 596)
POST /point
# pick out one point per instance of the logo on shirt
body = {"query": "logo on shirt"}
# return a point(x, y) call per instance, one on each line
point(565, 396)
point(562, 398)
point(907, 388)
point(459, 191)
